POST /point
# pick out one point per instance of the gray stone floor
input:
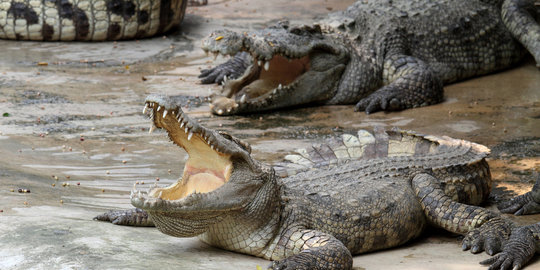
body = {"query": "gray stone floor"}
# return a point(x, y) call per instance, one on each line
point(73, 134)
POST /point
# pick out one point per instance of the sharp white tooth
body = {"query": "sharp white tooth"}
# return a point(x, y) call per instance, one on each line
point(266, 65)
point(189, 135)
point(158, 108)
point(225, 78)
point(222, 83)
point(152, 128)
point(186, 130)
point(182, 124)
point(243, 98)
point(212, 146)
point(145, 107)
point(280, 86)
point(160, 193)
point(164, 113)
point(259, 63)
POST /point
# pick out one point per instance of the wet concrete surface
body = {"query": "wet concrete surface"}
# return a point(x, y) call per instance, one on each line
point(72, 132)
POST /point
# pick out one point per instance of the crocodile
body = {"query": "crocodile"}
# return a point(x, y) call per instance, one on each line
point(382, 55)
point(89, 20)
point(349, 195)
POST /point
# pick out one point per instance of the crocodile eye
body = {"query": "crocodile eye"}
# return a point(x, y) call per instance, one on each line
point(245, 145)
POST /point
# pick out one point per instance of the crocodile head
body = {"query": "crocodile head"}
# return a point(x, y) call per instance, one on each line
point(290, 66)
point(219, 178)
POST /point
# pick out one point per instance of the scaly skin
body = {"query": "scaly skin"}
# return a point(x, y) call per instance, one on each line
point(88, 20)
point(350, 195)
point(380, 55)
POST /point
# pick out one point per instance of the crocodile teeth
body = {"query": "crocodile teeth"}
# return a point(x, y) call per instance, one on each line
point(164, 113)
point(158, 108)
point(259, 63)
point(225, 78)
point(182, 124)
point(212, 147)
point(280, 86)
point(186, 130)
point(189, 135)
point(266, 65)
point(145, 107)
point(243, 98)
point(160, 193)
point(152, 128)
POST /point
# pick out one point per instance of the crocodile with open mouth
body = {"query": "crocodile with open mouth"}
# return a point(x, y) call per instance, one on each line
point(350, 195)
point(378, 54)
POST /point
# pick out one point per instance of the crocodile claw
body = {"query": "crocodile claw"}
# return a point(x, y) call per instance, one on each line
point(381, 100)
point(489, 237)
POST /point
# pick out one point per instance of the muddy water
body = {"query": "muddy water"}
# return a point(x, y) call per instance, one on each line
point(72, 132)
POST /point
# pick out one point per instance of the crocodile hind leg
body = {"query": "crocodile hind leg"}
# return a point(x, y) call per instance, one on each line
point(410, 83)
point(521, 18)
point(528, 203)
point(132, 217)
point(231, 69)
point(316, 251)
point(484, 229)
point(521, 246)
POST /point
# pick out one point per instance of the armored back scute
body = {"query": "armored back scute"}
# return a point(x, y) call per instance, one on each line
point(88, 20)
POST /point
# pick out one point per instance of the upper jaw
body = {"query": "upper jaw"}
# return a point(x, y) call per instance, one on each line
point(211, 158)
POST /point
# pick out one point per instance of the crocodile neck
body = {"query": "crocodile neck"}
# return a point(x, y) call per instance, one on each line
point(252, 229)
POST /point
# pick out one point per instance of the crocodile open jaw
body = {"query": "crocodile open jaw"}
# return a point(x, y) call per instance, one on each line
point(206, 169)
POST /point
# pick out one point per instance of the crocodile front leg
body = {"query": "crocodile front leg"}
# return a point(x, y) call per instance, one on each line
point(409, 83)
point(523, 243)
point(231, 69)
point(484, 229)
point(318, 250)
point(528, 203)
point(132, 217)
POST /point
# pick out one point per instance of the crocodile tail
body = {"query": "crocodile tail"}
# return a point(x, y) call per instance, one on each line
point(380, 143)
point(88, 20)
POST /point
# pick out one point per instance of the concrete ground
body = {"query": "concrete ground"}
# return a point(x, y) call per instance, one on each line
point(72, 133)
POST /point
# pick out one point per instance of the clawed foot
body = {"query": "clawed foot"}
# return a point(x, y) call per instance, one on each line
point(300, 261)
point(520, 205)
point(528, 203)
point(383, 99)
point(489, 237)
point(519, 250)
point(214, 75)
point(231, 69)
point(132, 217)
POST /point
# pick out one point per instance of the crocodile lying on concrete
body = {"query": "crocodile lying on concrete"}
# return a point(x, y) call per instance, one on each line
point(89, 20)
point(377, 54)
point(348, 196)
